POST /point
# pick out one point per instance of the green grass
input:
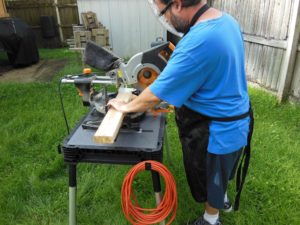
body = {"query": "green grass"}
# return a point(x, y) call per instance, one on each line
point(34, 181)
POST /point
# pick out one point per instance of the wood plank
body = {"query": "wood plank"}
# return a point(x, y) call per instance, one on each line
point(273, 56)
point(267, 66)
point(3, 11)
point(256, 22)
point(245, 18)
point(62, 26)
point(251, 61)
point(264, 64)
point(286, 19)
point(247, 49)
point(269, 20)
point(25, 5)
point(70, 5)
point(288, 65)
point(110, 126)
point(278, 19)
point(275, 75)
point(258, 62)
point(263, 41)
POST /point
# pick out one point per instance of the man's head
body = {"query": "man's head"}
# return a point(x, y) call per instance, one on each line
point(185, 3)
point(175, 11)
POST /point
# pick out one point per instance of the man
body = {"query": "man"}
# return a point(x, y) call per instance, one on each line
point(205, 80)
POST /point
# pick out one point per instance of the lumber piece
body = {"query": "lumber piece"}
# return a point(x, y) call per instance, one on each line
point(111, 123)
point(3, 11)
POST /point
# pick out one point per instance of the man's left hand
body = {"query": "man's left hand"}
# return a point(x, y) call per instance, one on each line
point(118, 105)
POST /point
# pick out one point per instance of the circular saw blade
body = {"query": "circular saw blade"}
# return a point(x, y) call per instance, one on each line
point(146, 77)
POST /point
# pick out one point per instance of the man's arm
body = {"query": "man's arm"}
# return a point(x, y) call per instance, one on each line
point(141, 103)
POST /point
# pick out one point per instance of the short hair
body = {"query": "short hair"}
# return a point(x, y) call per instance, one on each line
point(185, 3)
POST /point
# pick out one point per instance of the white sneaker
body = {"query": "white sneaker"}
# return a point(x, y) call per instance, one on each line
point(227, 207)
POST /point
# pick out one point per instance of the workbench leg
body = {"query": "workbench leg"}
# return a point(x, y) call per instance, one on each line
point(72, 194)
point(157, 189)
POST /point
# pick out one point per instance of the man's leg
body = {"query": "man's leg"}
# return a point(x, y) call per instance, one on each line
point(211, 210)
point(219, 172)
point(211, 214)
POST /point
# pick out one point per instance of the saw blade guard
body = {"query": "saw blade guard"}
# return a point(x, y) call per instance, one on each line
point(99, 57)
point(143, 68)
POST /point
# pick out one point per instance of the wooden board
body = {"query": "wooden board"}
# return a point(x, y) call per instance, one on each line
point(3, 12)
point(110, 126)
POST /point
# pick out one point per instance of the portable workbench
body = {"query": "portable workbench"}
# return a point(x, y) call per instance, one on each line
point(144, 142)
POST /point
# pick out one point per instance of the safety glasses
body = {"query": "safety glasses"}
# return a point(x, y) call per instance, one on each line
point(162, 12)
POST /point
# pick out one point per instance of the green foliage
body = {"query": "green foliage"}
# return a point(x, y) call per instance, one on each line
point(34, 181)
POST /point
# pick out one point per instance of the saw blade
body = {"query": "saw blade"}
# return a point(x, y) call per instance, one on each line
point(146, 77)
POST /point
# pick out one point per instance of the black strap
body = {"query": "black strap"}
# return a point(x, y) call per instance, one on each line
point(228, 119)
point(244, 163)
point(197, 15)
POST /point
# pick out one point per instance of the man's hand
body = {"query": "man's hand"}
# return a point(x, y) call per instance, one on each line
point(118, 105)
point(141, 103)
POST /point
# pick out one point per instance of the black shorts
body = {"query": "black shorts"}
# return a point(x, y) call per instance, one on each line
point(207, 174)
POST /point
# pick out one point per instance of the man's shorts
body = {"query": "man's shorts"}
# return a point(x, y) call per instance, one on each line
point(207, 174)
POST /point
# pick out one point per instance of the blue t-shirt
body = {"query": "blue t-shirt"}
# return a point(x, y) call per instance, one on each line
point(206, 73)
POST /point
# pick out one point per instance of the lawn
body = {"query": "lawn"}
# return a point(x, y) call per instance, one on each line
point(34, 181)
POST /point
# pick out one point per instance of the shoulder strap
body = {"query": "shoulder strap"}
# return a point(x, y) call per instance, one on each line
point(197, 15)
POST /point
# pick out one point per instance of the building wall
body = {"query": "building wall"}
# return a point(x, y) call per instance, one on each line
point(131, 23)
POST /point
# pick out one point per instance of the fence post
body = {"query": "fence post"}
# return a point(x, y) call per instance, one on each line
point(3, 11)
point(61, 35)
point(288, 64)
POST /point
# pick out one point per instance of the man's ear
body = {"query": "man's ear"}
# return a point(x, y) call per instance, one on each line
point(177, 5)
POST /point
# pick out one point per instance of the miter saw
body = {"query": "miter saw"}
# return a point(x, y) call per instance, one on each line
point(134, 76)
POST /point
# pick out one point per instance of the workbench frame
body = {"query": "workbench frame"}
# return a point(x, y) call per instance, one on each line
point(99, 154)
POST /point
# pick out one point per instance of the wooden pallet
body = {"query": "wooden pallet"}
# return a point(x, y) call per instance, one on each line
point(101, 36)
point(81, 38)
point(71, 42)
point(90, 21)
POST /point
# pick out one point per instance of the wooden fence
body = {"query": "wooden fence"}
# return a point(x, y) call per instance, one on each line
point(271, 31)
point(65, 13)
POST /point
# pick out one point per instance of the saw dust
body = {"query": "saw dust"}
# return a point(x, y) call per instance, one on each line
point(43, 71)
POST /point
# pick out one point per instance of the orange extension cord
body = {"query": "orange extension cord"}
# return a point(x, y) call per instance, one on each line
point(140, 216)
